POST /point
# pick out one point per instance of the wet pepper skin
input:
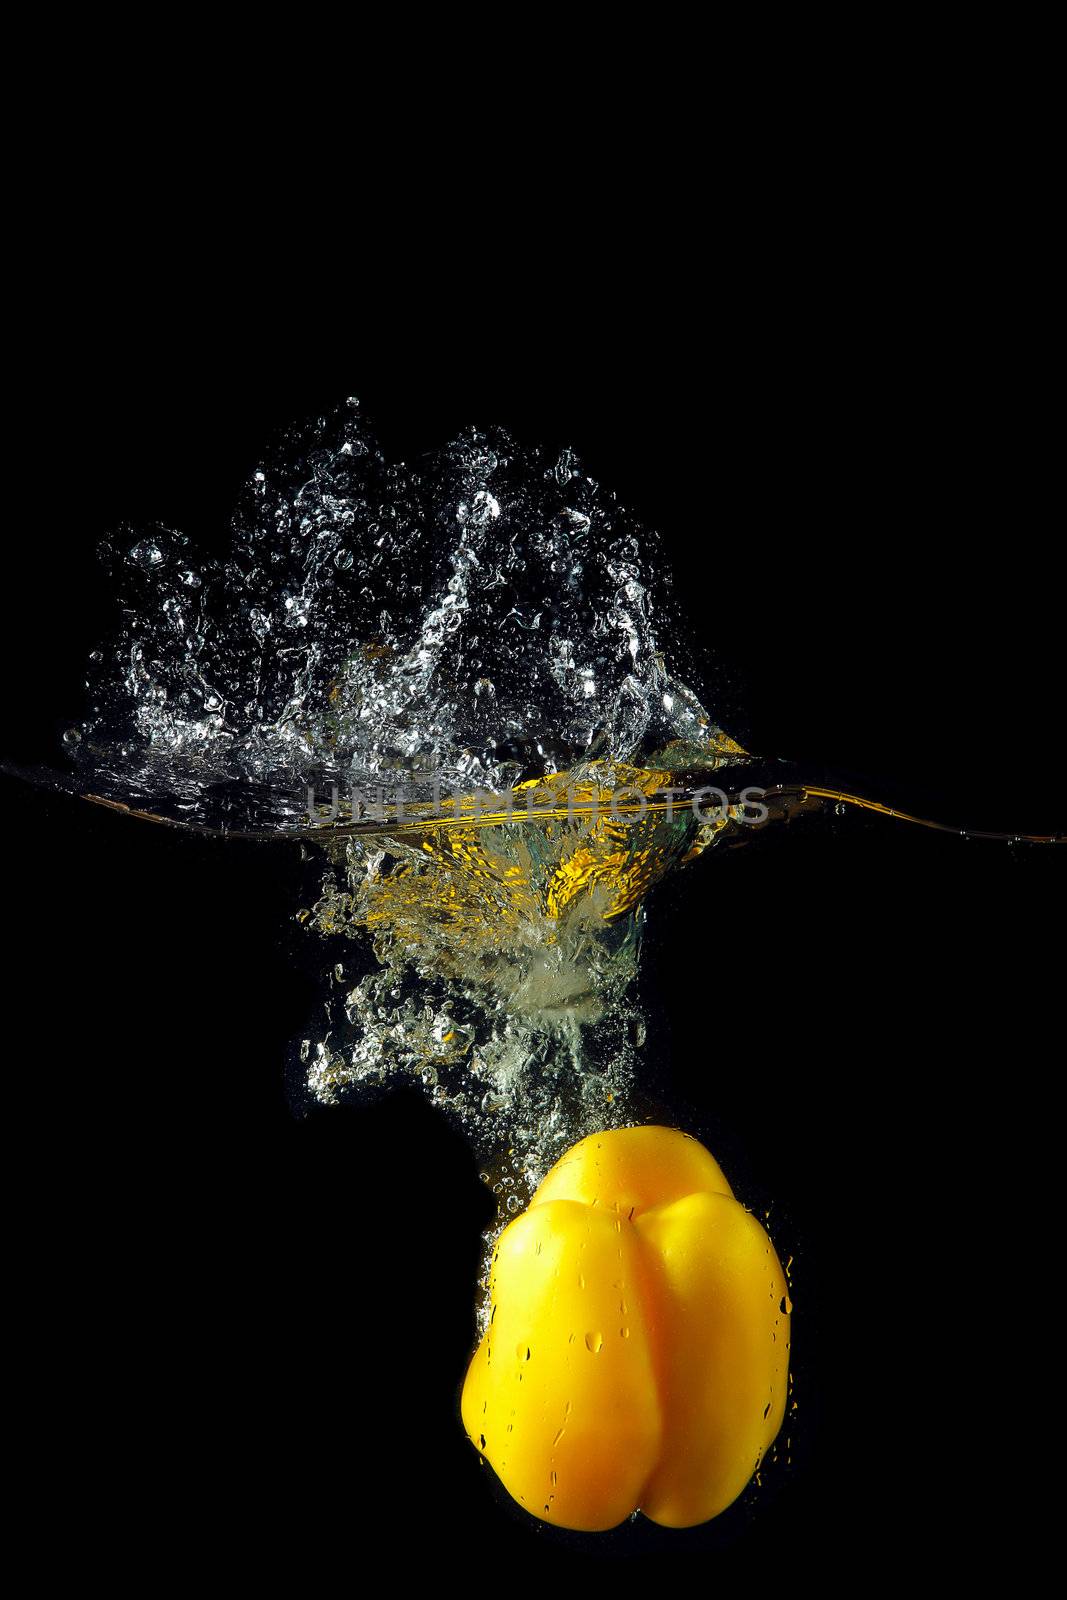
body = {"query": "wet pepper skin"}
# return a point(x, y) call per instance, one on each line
point(637, 1354)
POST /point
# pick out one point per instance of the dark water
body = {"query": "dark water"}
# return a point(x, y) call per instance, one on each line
point(858, 1018)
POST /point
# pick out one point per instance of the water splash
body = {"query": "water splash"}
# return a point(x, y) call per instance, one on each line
point(483, 620)
point(485, 615)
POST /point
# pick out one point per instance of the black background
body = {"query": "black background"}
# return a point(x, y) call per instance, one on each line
point(248, 1325)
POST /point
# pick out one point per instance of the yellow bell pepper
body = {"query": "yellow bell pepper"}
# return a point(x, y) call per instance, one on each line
point(637, 1350)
